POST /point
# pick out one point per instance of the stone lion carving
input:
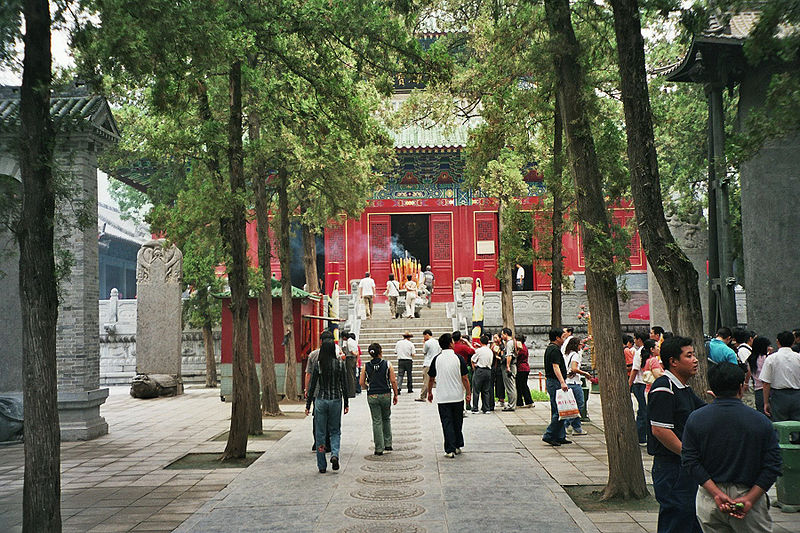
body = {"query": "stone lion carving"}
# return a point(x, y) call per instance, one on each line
point(158, 263)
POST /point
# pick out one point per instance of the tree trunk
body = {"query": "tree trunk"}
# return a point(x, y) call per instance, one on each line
point(626, 474)
point(310, 259)
point(211, 362)
point(254, 426)
point(506, 274)
point(269, 382)
point(290, 385)
point(674, 272)
point(234, 232)
point(556, 244)
point(41, 493)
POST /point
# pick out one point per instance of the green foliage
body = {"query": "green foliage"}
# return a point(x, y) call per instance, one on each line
point(10, 30)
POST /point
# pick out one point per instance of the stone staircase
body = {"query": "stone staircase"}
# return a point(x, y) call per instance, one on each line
point(386, 332)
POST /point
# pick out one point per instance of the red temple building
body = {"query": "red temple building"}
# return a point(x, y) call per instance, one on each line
point(426, 211)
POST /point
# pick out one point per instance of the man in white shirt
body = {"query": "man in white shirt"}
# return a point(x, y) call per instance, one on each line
point(781, 377)
point(405, 351)
point(520, 277)
point(482, 376)
point(392, 293)
point(366, 291)
point(448, 373)
point(430, 350)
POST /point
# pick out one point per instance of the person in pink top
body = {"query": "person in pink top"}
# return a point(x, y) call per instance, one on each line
point(651, 358)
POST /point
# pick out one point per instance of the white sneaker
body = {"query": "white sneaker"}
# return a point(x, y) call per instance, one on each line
point(450, 455)
point(458, 451)
point(579, 432)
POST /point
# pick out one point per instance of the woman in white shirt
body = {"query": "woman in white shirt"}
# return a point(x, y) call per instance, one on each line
point(572, 361)
point(411, 296)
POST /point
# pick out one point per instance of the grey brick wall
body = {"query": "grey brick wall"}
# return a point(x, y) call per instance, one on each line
point(77, 342)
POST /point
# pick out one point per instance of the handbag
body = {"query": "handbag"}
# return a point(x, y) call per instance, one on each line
point(648, 377)
point(567, 405)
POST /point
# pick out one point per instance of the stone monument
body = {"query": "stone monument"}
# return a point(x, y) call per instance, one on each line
point(693, 240)
point(158, 314)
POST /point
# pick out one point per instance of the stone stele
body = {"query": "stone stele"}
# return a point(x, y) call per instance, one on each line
point(158, 314)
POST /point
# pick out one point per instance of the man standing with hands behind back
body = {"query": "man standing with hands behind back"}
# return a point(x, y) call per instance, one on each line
point(555, 370)
point(731, 451)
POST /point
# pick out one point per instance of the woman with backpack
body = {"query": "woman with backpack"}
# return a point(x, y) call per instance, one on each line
point(379, 380)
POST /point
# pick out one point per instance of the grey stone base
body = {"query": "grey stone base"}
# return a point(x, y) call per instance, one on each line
point(79, 414)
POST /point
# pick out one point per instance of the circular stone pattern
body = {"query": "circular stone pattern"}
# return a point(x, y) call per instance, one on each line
point(391, 467)
point(386, 495)
point(384, 511)
point(395, 479)
point(402, 447)
point(406, 429)
point(406, 440)
point(393, 457)
point(377, 527)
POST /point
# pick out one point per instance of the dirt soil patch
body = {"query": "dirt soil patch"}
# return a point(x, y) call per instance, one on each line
point(269, 434)
point(587, 497)
point(210, 461)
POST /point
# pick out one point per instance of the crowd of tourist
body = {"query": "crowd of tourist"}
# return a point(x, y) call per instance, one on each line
point(712, 463)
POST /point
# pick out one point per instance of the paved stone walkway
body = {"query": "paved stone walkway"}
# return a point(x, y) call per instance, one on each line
point(495, 485)
point(502, 482)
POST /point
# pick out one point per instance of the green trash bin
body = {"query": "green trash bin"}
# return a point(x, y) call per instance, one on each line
point(788, 484)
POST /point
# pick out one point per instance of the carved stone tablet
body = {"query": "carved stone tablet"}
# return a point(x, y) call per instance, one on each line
point(158, 320)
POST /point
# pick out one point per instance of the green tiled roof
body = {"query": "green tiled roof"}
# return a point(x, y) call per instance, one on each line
point(433, 137)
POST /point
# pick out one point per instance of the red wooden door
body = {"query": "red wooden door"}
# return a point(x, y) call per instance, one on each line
point(380, 251)
point(441, 254)
point(486, 249)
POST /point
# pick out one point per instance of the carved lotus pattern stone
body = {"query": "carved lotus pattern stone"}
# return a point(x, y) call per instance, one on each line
point(158, 263)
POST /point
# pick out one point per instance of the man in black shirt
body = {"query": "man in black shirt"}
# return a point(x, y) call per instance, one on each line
point(555, 370)
point(669, 404)
point(731, 451)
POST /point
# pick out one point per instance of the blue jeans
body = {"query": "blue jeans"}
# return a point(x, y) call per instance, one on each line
point(578, 392)
point(676, 493)
point(557, 430)
point(641, 412)
point(328, 415)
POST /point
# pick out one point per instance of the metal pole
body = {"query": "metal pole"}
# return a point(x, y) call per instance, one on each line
point(727, 281)
point(712, 319)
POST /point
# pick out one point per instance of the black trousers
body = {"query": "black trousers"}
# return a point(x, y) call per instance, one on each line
point(497, 380)
point(404, 368)
point(523, 391)
point(452, 417)
point(482, 387)
point(350, 377)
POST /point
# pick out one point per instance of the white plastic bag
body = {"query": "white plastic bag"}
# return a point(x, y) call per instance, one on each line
point(567, 405)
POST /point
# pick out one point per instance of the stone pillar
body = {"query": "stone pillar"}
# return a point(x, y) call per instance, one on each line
point(770, 197)
point(77, 331)
point(158, 314)
point(693, 240)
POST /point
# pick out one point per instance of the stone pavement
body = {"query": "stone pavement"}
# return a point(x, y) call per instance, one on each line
point(495, 485)
point(501, 482)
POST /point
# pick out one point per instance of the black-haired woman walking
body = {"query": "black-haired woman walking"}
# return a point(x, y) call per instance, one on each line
point(378, 378)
